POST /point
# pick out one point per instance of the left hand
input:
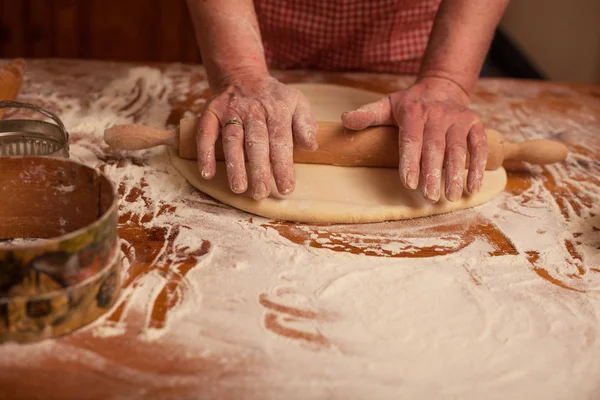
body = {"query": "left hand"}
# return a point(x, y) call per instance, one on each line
point(435, 130)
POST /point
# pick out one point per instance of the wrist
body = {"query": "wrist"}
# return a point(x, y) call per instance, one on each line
point(440, 81)
point(238, 76)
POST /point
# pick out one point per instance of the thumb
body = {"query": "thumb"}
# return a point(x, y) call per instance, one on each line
point(377, 113)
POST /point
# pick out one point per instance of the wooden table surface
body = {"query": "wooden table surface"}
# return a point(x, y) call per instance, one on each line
point(218, 303)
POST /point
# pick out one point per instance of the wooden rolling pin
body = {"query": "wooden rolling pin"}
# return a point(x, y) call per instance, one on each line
point(371, 147)
point(11, 78)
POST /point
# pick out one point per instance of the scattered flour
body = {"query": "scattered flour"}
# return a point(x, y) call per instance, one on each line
point(256, 315)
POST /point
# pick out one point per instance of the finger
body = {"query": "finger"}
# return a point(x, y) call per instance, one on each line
point(456, 157)
point(257, 149)
point(232, 136)
point(281, 148)
point(304, 126)
point(377, 113)
point(206, 137)
point(410, 144)
point(432, 157)
point(478, 150)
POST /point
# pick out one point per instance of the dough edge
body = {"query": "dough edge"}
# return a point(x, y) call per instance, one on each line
point(328, 212)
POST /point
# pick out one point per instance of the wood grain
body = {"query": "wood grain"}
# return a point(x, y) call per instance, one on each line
point(66, 29)
point(12, 27)
point(132, 30)
point(38, 28)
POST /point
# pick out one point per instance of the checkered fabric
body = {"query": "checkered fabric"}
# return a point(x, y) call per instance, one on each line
point(346, 35)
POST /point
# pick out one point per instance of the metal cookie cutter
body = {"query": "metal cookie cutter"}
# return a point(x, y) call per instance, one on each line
point(59, 250)
point(30, 137)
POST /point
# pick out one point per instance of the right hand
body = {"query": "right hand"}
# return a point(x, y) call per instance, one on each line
point(271, 118)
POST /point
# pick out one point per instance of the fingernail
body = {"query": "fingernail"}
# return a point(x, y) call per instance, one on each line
point(476, 185)
point(286, 187)
point(238, 184)
point(312, 141)
point(454, 192)
point(431, 187)
point(412, 179)
point(432, 193)
point(205, 174)
point(260, 191)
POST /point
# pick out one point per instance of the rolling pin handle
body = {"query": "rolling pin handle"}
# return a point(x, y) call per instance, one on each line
point(138, 137)
point(537, 151)
point(11, 79)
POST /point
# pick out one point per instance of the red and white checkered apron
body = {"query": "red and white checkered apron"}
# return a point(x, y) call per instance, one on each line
point(345, 35)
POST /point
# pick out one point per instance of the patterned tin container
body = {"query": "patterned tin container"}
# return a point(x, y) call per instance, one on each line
point(59, 254)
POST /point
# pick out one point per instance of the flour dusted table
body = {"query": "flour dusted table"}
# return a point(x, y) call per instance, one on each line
point(501, 301)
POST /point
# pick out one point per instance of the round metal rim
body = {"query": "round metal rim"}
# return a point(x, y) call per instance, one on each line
point(113, 207)
point(43, 111)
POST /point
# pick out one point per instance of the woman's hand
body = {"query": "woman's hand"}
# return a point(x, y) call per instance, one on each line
point(262, 118)
point(435, 130)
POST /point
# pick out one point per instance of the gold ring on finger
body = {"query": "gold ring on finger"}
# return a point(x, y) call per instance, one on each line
point(233, 122)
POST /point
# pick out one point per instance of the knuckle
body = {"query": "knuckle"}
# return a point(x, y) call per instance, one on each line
point(483, 149)
point(456, 119)
point(281, 106)
point(260, 172)
point(256, 142)
point(479, 153)
point(254, 112)
point(239, 103)
point(410, 138)
point(204, 133)
point(233, 164)
point(483, 141)
point(433, 146)
point(230, 101)
point(278, 134)
point(413, 110)
point(232, 137)
point(306, 129)
point(213, 101)
point(470, 116)
point(456, 148)
point(436, 114)
point(410, 135)
point(476, 127)
point(457, 132)
point(478, 140)
point(254, 125)
point(281, 147)
point(481, 137)
point(434, 138)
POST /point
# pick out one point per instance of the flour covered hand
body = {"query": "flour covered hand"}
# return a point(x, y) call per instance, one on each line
point(257, 117)
point(261, 118)
point(436, 129)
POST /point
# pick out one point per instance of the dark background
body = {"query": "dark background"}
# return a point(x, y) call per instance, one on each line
point(146, 31)
point(121, 30)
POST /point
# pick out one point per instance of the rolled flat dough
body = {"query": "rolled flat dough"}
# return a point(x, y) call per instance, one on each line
point(330, 194)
